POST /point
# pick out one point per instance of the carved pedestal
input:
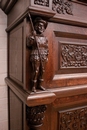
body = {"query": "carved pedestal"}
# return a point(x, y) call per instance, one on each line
point(35, 116)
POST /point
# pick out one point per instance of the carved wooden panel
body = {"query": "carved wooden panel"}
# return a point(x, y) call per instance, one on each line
point(16, 54)
point(42, 2)
point(62, 6)
point(73, 55)
point(70, 52)
point(73, 119)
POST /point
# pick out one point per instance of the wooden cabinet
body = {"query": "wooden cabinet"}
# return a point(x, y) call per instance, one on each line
point(63, 105)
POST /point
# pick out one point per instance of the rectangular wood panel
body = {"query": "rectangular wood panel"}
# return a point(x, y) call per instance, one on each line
point(16, 115)
point(73, 119)
point(70, 53)
point(16, 54)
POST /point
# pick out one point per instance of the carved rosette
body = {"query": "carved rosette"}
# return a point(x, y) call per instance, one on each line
point(73, 119)
point(35, 116)
point(62, 6)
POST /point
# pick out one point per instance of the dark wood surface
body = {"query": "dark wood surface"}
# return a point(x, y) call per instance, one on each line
point(66, 69)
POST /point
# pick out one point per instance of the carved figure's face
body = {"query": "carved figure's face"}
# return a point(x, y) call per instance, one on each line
point(39, 27)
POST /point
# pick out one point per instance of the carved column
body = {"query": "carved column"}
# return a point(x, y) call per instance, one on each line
point(35, 116)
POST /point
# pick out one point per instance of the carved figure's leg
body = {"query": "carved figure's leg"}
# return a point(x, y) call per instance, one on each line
point(35, 66)
point(41, 78)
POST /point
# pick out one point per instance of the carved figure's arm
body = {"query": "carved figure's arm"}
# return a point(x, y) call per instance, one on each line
point(30, 41)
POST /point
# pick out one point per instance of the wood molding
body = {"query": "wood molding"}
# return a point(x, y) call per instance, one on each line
point(31, 99)
point(7, 5)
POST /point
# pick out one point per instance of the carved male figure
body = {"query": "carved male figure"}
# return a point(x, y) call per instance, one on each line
point(39, 53)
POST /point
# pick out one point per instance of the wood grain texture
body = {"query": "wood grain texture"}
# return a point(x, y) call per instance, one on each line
point(66, 86)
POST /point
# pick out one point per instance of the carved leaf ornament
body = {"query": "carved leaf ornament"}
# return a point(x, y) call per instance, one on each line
point(73, 56)
point(62, 6)
point(59, 6)
point(74, 119)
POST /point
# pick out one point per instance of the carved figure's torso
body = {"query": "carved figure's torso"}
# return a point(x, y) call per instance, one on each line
point(43, 49)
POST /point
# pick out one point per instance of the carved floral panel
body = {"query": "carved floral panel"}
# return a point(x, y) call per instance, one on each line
point(42, 2)
point(59, 6)
point(62, 6)
point(73, 56)
point(75, 119)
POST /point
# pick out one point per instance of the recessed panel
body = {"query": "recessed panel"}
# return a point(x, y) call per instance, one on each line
point(16, 54)
point(70, 54)
point(73, 55)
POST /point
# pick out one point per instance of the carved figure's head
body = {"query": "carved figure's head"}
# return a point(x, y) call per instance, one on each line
point(40, 25)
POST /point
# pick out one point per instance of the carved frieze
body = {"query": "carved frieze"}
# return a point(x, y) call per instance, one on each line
point(42, 2)
point(75, 119)
point(62, 6)
point(73, 56)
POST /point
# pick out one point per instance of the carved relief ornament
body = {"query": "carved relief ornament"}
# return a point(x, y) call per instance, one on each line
point(59, 6)
point(39, 52)
point(35, 116)
point(73, 56)
point(75, 119)
point(62, 6)
point(42, 2)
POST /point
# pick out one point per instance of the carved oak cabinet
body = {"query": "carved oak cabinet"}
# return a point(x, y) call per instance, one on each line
point(63, 105)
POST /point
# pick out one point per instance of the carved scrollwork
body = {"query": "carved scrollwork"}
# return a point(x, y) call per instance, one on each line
point(73, 56)
point(73, 119)
point(42, 2)
point(35, 116)
point(62, 6)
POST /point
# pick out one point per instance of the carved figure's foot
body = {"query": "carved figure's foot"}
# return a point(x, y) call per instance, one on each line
point(41, 88)
point(34, 89)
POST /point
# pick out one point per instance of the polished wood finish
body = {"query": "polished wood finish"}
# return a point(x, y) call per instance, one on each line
point(65, 77)
point(7, 5)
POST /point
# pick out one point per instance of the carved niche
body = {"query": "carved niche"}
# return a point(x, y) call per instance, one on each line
point(75, 119)
point(62, 6)
point(73, 56)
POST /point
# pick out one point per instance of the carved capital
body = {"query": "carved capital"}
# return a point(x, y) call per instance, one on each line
point(35, 116)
